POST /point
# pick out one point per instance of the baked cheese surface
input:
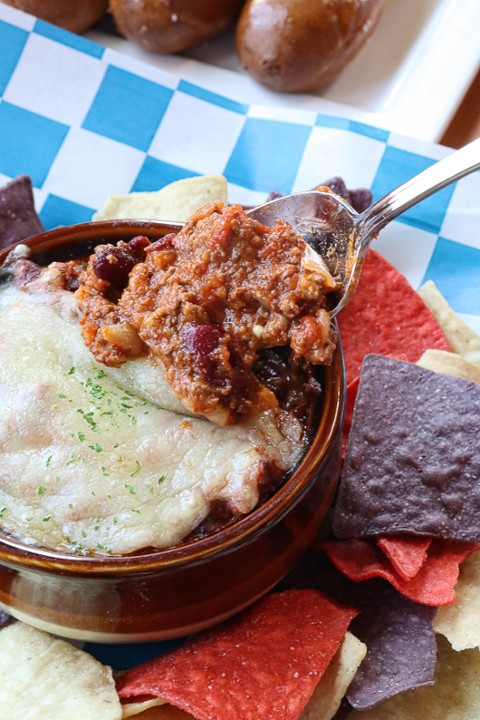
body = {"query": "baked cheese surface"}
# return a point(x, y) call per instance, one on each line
point(88, 462)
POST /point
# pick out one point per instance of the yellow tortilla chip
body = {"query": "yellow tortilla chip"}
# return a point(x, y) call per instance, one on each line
point(139, 708)
point(43, 677)
point(174, 202)
point(454, 695)
point(329, 692)
point(449, 363)
point(164, 712)
point(463, 340)
point(460, 622)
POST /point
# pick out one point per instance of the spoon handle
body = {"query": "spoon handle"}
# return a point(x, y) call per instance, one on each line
point(434, 178)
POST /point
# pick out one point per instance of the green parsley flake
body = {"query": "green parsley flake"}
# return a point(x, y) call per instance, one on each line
point(97, 391)
point(137, 469)
point(88, 417)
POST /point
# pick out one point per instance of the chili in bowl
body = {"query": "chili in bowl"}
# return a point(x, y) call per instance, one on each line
point(165, 460)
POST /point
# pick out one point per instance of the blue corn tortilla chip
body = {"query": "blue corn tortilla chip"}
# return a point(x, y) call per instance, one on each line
point(413, 458)
point(5, 618)
point(401, 647)
point(359, 198)
point(18, 217)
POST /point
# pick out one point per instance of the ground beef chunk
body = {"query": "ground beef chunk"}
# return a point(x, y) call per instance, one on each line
point(107, 333)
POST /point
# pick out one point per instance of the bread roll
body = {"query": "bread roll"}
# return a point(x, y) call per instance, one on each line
point(169, 26)
point(74, 15)
point(302, 45)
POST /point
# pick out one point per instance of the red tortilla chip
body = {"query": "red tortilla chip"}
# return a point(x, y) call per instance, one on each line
point(433, 585)
point(352, 389)
point(387, 317)
point(264, 663)
point(407, 553)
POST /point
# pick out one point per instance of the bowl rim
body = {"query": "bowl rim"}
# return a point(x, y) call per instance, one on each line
point(198, 551)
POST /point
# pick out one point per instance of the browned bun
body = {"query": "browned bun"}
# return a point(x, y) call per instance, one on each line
point(302, 45)
point(168, 26)
point(74, 15)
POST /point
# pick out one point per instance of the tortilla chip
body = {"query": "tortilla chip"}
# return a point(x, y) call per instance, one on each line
point(5, 618)
point(359, 198)
point(367, 326)
point(52, 677)
point(18, 217)
point(406, 554)
point(460, 622)
point(328, 694)
point(175, 202)
point(351, 396)
point(161, 712)
point(401, 646)
point(140, 707)
point(463, 340)
point(267, 660)
point(449, 363)
point(385, 614)
point(453, 696)
point(413, 459)
point(433, 585)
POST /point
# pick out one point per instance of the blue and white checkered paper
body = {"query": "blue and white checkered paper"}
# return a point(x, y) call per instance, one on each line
point(86, 122)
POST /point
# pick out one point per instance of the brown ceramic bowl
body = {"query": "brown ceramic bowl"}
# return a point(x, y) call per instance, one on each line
point(173, 592)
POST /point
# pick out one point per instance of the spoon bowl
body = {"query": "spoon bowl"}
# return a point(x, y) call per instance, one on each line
point(340, 235)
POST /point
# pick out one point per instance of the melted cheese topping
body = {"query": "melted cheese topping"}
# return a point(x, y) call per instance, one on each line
point(90, 461)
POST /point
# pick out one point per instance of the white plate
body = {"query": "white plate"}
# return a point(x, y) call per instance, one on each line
point(409, 78)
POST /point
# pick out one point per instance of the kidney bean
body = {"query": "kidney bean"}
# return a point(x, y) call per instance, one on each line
point(113, 263)
point(200, 340)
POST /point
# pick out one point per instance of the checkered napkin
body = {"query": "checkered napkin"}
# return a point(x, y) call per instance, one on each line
point(86, 122)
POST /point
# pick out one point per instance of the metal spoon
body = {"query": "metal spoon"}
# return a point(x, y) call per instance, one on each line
point(341, 235)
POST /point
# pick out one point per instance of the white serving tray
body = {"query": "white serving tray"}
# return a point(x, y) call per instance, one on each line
point(409, 78)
